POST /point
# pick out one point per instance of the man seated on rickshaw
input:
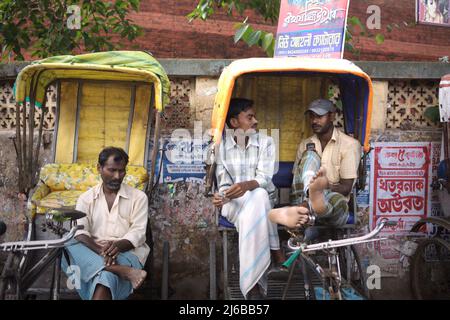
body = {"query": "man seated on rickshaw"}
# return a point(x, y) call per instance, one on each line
point(110, 251)
point(245, 166)
point(324, 173)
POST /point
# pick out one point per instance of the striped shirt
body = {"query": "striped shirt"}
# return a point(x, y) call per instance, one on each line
point(255, 161)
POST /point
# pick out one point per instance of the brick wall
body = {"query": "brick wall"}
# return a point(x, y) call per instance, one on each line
point(414, 43)
point(169, 35)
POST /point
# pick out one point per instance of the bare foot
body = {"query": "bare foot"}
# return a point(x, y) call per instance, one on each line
point(136, 277)
point(318, 184)
point(291, 217)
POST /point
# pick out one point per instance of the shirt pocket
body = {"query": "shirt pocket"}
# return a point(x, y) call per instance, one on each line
point(122, 223)
point(334, 174)
point(332, 171)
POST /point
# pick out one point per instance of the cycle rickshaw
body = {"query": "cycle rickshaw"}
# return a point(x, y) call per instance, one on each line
point(281, 89)
point(430, 264)
point(103, 99)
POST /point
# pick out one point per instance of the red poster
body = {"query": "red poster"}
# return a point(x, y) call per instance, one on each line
point(400, 188)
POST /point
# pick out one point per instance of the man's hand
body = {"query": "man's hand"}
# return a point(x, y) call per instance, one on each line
point(110, 251)
point(109, 261)
point(237, 190)
point(218, 200)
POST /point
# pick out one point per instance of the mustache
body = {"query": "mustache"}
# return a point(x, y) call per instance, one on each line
point(114, 182)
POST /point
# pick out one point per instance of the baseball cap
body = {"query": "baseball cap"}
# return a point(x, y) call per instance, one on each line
point(321, 107)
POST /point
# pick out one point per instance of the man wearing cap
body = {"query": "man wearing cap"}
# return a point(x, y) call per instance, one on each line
point(324, 173)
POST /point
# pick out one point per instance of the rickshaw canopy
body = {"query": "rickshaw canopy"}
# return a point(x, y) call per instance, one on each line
point(356, 87)
point(137, 66)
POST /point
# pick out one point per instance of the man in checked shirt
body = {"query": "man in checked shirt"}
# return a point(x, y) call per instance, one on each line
point(245, 166)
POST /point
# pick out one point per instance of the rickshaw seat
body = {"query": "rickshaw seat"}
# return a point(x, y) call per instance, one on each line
point(66, 198)
point(283, 178)
point(62, 184)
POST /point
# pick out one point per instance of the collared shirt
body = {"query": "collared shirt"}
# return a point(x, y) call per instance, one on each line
point(126, 220)
point(340, 157)
point(255, 161)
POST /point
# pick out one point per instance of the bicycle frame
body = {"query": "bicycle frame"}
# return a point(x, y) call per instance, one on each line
point(331, 276)
point(25, 280)
point(40, 244)
point(344, 242)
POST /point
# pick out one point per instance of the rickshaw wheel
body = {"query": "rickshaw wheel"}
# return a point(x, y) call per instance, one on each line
point(430, 270)
point(9, 286)
point(357, 278)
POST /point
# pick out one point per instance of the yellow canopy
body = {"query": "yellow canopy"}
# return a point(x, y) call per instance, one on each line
point(238, 68)
point(138, 66)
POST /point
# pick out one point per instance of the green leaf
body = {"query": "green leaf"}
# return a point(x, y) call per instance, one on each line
point(379, 38)
point(348, 36)
point(135, 4)
point(240, 32)
point(254, 38)
point(355, 21)
point(349, 47)
point(267, 41)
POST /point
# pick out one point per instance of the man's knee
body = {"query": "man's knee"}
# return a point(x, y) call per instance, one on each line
point(102, 292)
point(260, 193)
point(107, 277)
point(101, 287)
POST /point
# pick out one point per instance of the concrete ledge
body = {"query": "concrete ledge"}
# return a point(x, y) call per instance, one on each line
point(10, 70)
point(213, 68)
point(194, 67)
point(404, 70)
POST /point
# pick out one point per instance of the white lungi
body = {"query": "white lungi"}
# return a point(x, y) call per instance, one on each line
point(257, 236)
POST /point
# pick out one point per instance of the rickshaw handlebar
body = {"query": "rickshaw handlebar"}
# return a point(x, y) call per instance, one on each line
point(344, 242)
point(40, 244)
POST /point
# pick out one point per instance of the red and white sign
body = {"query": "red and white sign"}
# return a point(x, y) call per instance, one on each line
point(400, 184)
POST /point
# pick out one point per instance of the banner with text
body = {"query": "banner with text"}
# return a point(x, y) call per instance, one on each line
point(311, 28)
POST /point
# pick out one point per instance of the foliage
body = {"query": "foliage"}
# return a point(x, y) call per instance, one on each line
point(41, 25)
